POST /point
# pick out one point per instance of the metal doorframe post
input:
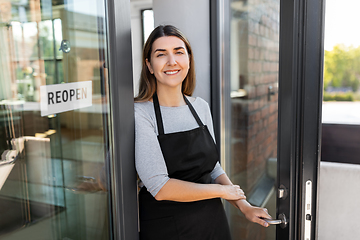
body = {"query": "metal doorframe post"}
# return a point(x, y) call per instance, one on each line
point(122, 164)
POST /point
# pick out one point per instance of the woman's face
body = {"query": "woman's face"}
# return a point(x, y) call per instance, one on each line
point(169, 62)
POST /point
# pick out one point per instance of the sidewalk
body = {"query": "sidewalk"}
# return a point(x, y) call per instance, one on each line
point(341, 112)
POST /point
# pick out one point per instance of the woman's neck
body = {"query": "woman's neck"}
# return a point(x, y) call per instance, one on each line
point(170, 97)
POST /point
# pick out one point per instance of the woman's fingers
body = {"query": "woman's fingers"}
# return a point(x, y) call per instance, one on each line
point(263, 214)
point(233, 192)
point(257, 215)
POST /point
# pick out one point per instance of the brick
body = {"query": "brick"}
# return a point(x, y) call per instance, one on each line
point(260, 149)
point(239, 156)
point(272, 128)
point(269, 140)
point(252, 40)
point(257, 79)
point(260, 136)
point(264, 112)
point(261, 54)
point(257, 55)
point(256, 104)
point(256, 28)
point(251, 92)
point(251, 106)
point(251, 66)
point(251, 26)
point(251, 53)
point(252, 130)
point(256, 67)
point(251, 80)
point(273, 117)
point(273, 108)
point(250, 156)
point(252, 144)
point(261, 90)
point(266, 122)
point(269, 151)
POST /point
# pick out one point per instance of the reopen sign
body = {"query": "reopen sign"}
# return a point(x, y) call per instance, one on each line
point(64, 97)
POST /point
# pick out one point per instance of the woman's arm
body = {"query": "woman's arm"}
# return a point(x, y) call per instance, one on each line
point(152, 170)
point(183, 191)
point(253, 214)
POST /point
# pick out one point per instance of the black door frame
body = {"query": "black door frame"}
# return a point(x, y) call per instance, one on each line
point(123, 181)
point(300, 101)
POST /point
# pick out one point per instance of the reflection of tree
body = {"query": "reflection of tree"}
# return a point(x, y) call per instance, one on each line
point(342, 67)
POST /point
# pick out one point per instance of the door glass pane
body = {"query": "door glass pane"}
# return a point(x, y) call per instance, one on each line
point(251, 162)
point(53, 167)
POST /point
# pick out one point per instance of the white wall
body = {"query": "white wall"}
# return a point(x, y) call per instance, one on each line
point(136, 37)
point(193, 19)
point(339, 202)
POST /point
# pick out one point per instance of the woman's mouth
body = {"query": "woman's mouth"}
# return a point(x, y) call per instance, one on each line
point(172, 72)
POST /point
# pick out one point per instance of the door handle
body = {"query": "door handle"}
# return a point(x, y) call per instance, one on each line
point(282, 220)
point(8, 157)
point(270, 92)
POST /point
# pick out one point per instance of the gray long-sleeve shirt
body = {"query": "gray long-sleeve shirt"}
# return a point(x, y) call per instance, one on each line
point(149, 160)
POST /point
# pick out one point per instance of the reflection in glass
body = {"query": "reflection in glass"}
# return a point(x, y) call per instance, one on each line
point(53, 169)
point(254, 51)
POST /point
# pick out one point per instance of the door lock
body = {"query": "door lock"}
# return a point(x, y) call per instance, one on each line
point(308, 211)
point(282, 192)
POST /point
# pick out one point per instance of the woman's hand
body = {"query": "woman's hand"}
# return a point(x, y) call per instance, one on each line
point(254, 214)
point(232, 192)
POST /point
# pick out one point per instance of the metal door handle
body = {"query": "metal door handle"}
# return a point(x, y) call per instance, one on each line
point(9, 157)
point(270, 92)
point(282, 220)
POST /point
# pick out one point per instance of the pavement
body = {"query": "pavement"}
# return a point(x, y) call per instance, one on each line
point(341, 113)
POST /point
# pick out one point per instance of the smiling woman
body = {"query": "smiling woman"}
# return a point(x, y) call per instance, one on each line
point(147, 86)
point(175, 154)
point(169, 63)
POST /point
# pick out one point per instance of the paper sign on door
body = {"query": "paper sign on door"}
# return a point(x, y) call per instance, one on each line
point(64, 97)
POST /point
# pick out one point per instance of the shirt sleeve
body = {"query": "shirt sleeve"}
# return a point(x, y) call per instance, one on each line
point(217, 171)
point(149, 161)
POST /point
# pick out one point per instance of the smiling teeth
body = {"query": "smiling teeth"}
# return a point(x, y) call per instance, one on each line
point(171, 72)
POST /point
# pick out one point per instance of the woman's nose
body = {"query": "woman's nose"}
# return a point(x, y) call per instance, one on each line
point(171, 60)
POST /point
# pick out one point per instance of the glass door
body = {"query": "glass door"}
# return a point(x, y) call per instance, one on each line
point(267, 105)
point(54, 120)
point(251, 159)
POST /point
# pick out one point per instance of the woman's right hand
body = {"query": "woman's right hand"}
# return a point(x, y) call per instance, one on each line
point(232, 192)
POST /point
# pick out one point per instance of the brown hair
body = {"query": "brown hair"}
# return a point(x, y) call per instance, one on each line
point(147, 86)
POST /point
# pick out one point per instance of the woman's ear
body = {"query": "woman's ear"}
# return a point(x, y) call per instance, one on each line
point(148, 64)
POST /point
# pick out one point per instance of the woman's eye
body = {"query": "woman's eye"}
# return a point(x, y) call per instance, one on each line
point(179, 53)
point(160, 55)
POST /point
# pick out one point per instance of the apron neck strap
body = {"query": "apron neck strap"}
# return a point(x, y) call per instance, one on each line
point(159, 121)
point(196, 116)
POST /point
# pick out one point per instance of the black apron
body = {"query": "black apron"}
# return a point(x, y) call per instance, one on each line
point(189, 156)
